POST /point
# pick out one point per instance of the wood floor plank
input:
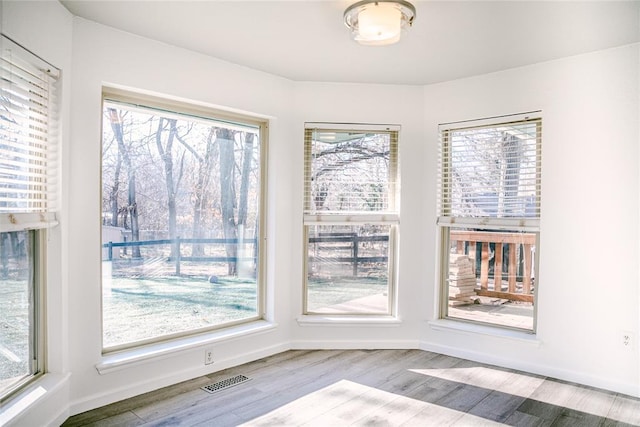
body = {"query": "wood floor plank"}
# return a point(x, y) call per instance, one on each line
point(571, 418)
point(521, 419)
point(125, 419)
point(591, 401)
point(208, 409)
point(548, 400)
point(625, 409)
point(467, 420)
point(157, 408)
point(395, 412)
point(510, 390)
point(497, 406)
point(433, 415)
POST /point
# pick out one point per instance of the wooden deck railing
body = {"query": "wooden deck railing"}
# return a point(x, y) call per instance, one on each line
point(500, 242)
point(351, 244)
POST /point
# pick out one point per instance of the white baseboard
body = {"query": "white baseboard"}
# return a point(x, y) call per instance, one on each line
point(629, 388)
point(354, 345)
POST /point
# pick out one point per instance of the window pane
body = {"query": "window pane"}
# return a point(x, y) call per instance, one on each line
point(180, 223)
point(494, 171)
point(348, 269)
point(491, 277)
point(349, 171)
point(16, 309)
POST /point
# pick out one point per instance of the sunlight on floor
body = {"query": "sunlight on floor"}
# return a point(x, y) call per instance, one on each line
point(551, 392)
point(347, 402)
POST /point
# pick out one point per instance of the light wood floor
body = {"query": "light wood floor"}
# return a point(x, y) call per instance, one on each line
point(374, 388)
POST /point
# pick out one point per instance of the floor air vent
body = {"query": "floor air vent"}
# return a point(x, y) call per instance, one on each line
point(221, 385)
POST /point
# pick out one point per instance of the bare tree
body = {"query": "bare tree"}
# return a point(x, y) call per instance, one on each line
point(172, 183)
point(226, 138)
point(131, 209)
point(356, 167)
point(115, 189)
point(205, 166)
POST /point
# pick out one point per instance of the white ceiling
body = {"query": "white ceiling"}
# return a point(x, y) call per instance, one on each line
point(307, 40)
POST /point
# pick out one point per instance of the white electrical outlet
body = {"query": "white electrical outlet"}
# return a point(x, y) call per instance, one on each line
point(208, 356)
point(627, 340)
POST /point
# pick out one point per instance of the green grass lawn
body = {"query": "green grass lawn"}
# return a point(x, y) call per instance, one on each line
point(14, 330)
point(137, 309)
point(324, 293)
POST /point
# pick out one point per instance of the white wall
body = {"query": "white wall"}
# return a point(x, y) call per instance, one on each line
point(588, 278)
point(106, 56)
point(589, 248)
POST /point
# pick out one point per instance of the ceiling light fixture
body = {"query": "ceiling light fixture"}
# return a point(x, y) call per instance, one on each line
point(379, 22)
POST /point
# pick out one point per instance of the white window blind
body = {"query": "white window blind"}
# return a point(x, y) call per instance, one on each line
point(490, 172)
point(350, 172)
point(28, 149)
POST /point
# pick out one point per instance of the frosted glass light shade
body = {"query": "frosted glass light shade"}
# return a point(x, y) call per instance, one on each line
point(379, 22)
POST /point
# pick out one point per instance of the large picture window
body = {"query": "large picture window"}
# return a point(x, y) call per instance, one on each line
point(181, 219)
point(489, 212)
point(28, 195)
point(351, 218)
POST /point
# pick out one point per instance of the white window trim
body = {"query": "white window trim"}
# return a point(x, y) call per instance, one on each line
point(348, 320)
point(27, 221)
point(38, 218)
point(491, 121)
point(447, 222)
point(391, 218)
point(470, 328)
point(168, 344)
point(131, 357)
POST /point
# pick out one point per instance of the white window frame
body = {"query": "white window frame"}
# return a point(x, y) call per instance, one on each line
point(446, 221)
point(30, 86)
point(390, 217)
point(182, 109)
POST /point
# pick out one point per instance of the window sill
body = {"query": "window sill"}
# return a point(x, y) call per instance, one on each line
point(360, 320)
point(127, 358)
point(448, 325)
point(30, 396)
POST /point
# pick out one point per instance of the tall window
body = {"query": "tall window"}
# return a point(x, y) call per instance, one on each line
point(489, 212)
point(181, 219)
point(28, 175)
point(351, 218)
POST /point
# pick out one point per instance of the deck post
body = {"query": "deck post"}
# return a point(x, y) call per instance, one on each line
point(526, 280)
point(484, 266)
point(497, 268)
point(513, 265)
